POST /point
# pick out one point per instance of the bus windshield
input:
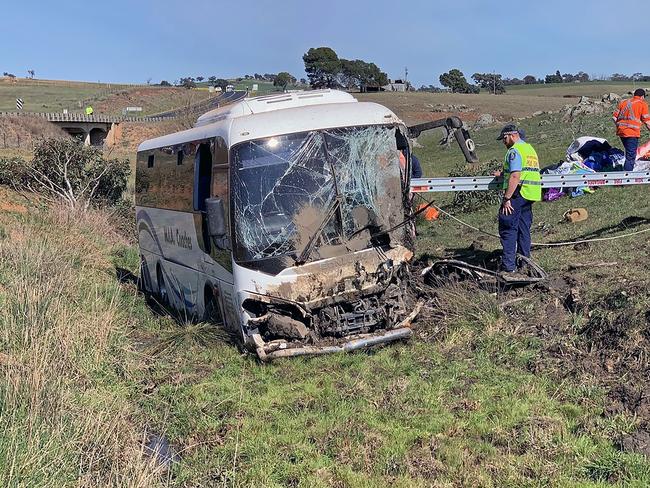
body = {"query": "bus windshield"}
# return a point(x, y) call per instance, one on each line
point(303, 193)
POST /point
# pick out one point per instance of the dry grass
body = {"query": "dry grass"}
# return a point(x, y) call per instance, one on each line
point(416, 107)
point(63, 349)
point(24, 132)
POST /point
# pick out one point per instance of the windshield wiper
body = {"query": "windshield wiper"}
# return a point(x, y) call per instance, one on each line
point(374, 229)
point(309, 247)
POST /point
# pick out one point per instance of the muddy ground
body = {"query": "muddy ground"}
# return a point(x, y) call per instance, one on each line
point(602, 341)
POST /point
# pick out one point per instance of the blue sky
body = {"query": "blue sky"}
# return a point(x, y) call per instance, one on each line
point(132, 41)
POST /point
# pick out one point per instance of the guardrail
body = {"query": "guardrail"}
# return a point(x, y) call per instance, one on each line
point(76, 117)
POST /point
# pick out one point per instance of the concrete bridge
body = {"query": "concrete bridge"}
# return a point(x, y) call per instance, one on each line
point(94, 130)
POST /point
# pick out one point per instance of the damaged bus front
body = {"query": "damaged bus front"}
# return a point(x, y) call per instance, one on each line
point(314, 220)
point(317, 237)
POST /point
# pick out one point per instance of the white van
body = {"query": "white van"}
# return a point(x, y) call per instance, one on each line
point(282, 217)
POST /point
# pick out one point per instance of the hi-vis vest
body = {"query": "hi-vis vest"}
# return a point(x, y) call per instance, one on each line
point(531, 183)
point(628, 124)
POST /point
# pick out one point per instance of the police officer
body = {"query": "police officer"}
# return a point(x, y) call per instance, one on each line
point(522, 187)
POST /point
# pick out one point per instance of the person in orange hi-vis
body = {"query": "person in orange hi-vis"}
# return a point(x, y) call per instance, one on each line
point(629, 116)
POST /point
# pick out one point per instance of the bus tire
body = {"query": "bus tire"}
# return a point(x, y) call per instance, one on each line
point(163, 291)
point(211, 309)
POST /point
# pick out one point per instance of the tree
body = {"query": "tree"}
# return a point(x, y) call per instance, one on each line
point(200, 78)
point(282, 79)
point(303, 81)
point(64, 169)
point(212, 79)
point(455, 80)
point(530, 80)
point(31, 73)
point(360, 74)
point(556, 78)
point(221, 83)
point(187, 82)
point(582, 77)
point(620, 77)
point(323, 67)
point(165, 83)
point(8, 75)
point(491, 82)
point(637, 77)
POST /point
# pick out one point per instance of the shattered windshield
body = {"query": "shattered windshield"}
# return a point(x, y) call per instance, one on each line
point(307, 192)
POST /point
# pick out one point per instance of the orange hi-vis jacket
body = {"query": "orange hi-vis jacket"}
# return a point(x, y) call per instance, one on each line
point(629, 116)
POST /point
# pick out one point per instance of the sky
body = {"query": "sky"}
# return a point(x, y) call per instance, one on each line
point(134, 41)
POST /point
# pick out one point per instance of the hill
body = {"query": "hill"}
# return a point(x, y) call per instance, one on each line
point(540, 387)
point(106, 98)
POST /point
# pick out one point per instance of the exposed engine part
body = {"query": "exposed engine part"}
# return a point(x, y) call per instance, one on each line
point(364, 315)
point(283, 326)
point(402, 331)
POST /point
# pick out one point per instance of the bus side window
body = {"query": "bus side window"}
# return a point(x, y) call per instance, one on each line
point(220, 189)
point(202, 176)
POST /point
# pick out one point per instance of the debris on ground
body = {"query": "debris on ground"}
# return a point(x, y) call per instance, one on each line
point(576, 215)
point(590, 154)
point(609, 348)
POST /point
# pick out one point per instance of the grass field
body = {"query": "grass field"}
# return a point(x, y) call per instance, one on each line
point(542, 392)
point(590, 89)
point(54, 96)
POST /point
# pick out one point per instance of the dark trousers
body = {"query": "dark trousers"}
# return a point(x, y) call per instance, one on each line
point(514, 230)
point(630, 144)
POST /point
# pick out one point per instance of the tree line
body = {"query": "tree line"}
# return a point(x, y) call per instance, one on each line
point(454, 80)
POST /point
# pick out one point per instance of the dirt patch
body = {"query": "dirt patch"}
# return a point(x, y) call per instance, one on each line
point(610, 348)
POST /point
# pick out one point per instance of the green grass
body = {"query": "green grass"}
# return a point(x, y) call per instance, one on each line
point(106, 98)
point(589, 89)
point(51, 96)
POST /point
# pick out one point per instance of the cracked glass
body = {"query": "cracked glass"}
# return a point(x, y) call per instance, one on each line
point(304, 193)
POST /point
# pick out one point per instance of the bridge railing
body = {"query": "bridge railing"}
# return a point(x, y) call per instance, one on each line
point(204, 106)
point(76, 117)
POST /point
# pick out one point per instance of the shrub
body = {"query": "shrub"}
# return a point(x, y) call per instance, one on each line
point(63, 169)
point(470, 201)
point(12, 171)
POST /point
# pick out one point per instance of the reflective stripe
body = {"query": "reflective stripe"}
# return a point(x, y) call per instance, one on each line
point(531, 182)
point(627, 113)
point(625, 124)
point(527, 168)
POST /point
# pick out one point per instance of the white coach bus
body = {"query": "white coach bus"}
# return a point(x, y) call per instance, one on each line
point(282, 217)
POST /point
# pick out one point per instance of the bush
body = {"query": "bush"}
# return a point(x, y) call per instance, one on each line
point(63, 169)
point(12, 171)
point(470, 201)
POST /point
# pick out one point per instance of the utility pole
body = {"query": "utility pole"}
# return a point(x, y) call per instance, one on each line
point(494, 82)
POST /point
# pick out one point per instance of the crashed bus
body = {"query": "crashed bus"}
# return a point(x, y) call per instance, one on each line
point(282, 217)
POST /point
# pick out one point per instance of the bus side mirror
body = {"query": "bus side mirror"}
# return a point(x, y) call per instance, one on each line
point(216, 217)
